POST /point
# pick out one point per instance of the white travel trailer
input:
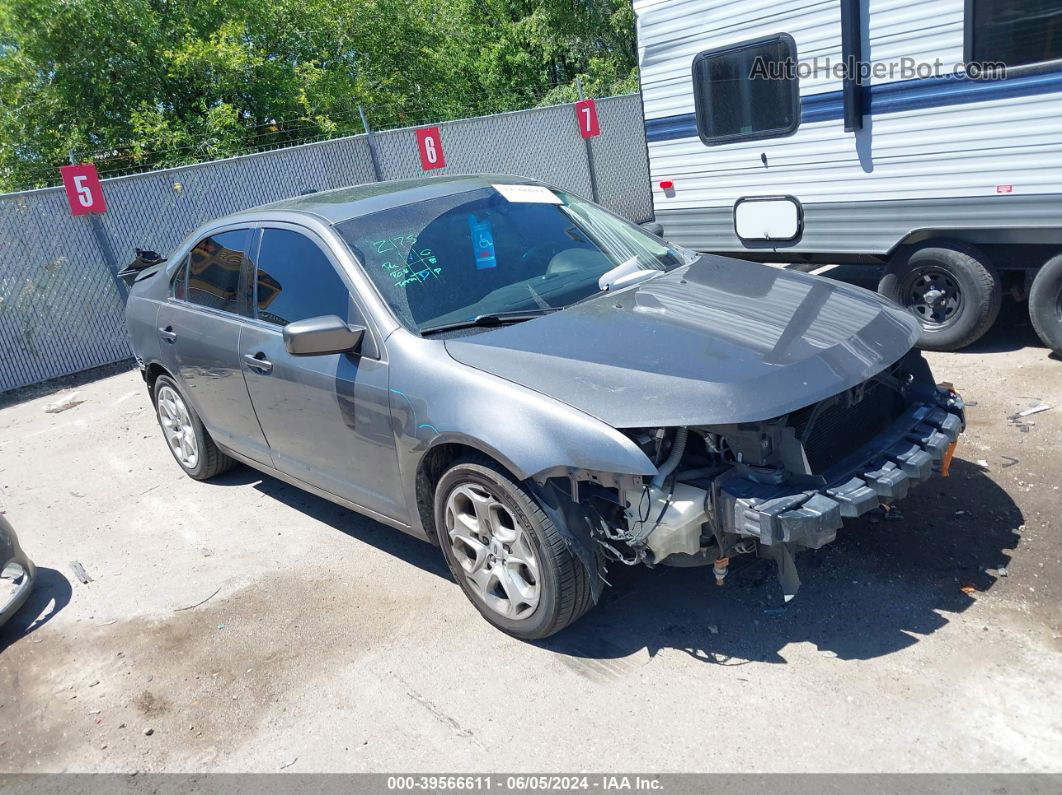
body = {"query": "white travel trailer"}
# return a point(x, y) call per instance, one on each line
point(923, 155)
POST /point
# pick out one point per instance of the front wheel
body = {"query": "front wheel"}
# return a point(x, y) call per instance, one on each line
point(506, 553)
point(953, 292)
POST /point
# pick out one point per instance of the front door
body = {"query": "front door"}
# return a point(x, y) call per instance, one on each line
point(199, 334)
point(326, 418)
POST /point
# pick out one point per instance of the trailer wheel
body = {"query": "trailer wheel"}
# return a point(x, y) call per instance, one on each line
point(954, 293)
point(1045, 303)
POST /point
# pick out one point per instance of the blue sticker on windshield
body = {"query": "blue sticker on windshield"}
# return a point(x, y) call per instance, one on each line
point(482, 242)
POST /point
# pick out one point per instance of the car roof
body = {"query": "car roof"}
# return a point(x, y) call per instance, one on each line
point(342, 204)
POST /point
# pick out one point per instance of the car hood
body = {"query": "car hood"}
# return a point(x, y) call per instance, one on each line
point(720, 341)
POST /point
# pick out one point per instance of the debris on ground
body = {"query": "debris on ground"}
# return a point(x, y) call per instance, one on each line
point(79, 572)
point(201, 602)
point(983, 463)
point(68, 401)
point(1009, 461)
point(1002, 571)
point(1034, 410)
point(148, 731)
point(1036, 407)
point(289, 764)
point(713, 629)
point(968, 589)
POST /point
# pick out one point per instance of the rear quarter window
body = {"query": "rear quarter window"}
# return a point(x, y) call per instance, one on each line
point(214, 268)
point(179, 282)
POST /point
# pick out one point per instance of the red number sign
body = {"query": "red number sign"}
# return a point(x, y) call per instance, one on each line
point(429, 143)
point(83, 190)
point(586, 114)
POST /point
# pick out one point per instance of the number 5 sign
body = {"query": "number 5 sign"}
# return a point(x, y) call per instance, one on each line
point(586, 114)
point(430, 146)
point(83, 190)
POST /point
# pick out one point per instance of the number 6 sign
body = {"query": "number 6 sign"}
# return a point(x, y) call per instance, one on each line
point(84, 193)
point(429, 143)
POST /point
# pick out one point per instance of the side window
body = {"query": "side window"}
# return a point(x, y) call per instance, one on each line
point(214, 270)
point(296, 280)
point(1014, 32)
point(179, 285)
point(747, 91)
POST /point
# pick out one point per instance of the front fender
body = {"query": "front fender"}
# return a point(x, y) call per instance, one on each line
point(436, 400)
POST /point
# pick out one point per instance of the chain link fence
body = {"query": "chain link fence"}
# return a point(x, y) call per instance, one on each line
point(61, 303)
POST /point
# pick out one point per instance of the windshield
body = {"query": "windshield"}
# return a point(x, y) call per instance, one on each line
point(503, 249)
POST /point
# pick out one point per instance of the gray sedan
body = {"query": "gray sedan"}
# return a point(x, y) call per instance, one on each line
point(534, 384)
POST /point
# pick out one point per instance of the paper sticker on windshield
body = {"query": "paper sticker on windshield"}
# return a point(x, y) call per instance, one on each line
point(482, 242)
point(534, 194)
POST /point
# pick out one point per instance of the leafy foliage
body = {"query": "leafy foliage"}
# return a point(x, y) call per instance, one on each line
point(132, 84)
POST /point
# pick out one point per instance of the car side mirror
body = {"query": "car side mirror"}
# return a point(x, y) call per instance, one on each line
point(317, 336)
point(653, 228)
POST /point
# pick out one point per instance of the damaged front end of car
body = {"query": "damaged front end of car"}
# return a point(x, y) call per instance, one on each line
point(772, 487)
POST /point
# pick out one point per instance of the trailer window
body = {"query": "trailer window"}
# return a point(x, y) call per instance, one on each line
point(747, 91)
point(1016, 32)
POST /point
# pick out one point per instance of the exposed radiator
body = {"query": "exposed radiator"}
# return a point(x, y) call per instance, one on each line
point(837, 427)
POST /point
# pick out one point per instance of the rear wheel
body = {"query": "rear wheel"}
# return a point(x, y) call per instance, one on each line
point(1045, 303)
point(507, 555)
point(954, 293)
point(185, 435)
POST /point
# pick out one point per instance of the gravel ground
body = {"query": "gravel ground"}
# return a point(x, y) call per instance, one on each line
point(242, 625)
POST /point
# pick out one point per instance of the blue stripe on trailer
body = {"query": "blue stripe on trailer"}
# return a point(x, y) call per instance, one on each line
point(930, 92)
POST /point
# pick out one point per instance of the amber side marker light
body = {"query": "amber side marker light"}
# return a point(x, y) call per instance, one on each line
point(949, 454)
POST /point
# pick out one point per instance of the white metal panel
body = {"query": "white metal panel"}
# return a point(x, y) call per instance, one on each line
point(961, 150)
point(672, 33)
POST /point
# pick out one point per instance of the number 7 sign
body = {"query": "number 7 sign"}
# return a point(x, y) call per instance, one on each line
point(84, 193)
point(586, 114)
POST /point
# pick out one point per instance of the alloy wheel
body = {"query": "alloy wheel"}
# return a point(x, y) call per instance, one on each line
point(177, 427)
point(494, 550)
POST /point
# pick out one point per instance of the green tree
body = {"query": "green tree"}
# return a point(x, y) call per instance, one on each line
point(150, 83)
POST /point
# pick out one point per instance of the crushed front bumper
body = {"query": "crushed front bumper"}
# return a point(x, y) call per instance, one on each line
point(14, 565)
point(807, 512)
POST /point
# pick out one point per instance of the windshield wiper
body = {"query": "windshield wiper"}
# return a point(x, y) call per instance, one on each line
point(492, 319)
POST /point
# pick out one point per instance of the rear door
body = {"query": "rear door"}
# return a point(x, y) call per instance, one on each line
point(199, 334)
point(327, 418)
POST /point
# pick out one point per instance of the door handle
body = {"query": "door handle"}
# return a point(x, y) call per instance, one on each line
point(168, 334)
point(258, 362)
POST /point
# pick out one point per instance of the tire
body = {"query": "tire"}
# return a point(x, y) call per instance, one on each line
point(480, 488)
point(953, 291)
point(1045, 304)
point(171, 405)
